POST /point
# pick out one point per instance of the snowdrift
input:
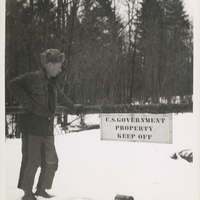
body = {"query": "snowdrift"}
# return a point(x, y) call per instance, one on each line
point(92, 169)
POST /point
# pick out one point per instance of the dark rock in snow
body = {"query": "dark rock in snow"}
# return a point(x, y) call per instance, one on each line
point(174, 156)
point(186, 154)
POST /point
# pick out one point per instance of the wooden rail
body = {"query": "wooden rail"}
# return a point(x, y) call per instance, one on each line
point(151, 108)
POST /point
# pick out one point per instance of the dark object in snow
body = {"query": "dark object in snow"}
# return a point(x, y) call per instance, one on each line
point(123, 197)
point(174, 156)
point(187, 155)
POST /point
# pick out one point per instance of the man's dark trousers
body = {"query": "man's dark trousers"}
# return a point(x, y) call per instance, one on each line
point(37, 151)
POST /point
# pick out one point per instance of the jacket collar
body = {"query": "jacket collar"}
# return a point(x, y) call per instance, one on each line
point(43, 75)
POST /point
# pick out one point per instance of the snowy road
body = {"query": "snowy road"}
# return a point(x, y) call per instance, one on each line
point(92, 169)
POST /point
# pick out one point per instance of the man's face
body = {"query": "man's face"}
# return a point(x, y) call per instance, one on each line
point(53, 69)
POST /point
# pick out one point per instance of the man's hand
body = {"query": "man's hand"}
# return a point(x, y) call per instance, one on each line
point(78, 108)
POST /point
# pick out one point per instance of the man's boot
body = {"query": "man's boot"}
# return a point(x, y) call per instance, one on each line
point(42, 193)
point(28, 195)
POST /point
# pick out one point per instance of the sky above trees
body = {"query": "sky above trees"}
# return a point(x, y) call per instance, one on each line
point(189, 7)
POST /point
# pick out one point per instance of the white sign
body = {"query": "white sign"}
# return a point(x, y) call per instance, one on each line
point(137, 127)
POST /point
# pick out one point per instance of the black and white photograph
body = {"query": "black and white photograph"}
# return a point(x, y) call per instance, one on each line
point(101, 100)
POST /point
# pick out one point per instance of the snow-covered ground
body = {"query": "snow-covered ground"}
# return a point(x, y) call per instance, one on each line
point(92, 169)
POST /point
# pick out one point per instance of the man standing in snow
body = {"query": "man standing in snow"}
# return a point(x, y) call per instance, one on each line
point(38, 92)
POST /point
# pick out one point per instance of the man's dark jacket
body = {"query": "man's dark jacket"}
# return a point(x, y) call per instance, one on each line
point(39, 96)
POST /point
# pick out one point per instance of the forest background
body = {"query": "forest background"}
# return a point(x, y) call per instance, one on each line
point(143, 55)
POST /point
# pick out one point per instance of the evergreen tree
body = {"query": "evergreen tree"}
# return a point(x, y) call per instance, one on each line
point(150, 48)
point(96, 64)
point(177, 35)
point(163, 49)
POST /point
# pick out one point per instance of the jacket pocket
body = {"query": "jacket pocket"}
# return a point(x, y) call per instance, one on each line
point(38, 95)
point(38, 90)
